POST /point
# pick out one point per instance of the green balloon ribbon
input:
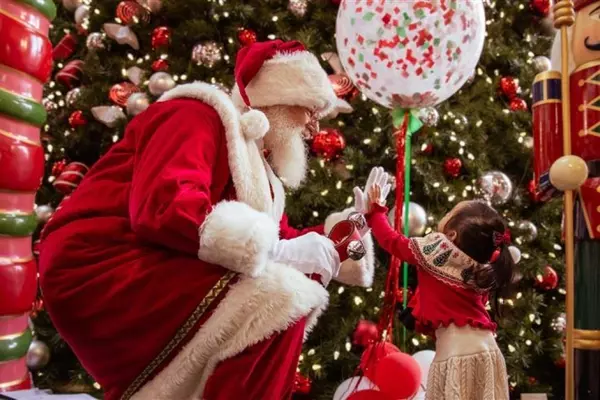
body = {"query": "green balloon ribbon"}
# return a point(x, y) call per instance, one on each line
point(408, 128)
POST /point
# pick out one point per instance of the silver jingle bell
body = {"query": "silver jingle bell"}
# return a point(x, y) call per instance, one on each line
point(356, 250)
point(358, 219)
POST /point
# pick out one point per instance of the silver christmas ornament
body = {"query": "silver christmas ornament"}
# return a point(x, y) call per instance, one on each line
point(417, 219)
point(38, 355)
point(72, 5)
point(49, 105)
point(122, 35)
point(72, 96)
point(160, 82)
point(82, 14)
point(356, 250)
point(44, 212)
point(429, 116)
point(542, 64)
point(496, 187)
point(136, 103)
point(95, 41)
point(527, 230)
point(108, 115)
point(153, 6)
point(207, 54)
point(298, 7)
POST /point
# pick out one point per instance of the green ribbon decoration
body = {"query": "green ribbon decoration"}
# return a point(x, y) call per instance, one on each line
point(413, 125)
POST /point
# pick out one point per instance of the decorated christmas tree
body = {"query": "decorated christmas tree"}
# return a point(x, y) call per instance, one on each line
point(114, 58)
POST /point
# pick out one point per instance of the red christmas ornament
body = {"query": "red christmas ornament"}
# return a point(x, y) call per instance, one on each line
point(160, 65)
point(302, 384)
point(366, 333)
point(58, 167)
point(65, 48)
point(343, 86)
point(532, 190)
point(541, 7)
point(329, 144)
point(452, 167)
point(396, 365)
point(161, 37)
point(532, 380)
point(561, 362)
point(130, 12)
point(246, 36)
point(372, 355)
point(120, 92)
point(518, 104)
point(70, 177)
point(77, 119)
point(509, 87)
point(70, 75)
point(400, 295)
point(548, 281)
point(427, 149)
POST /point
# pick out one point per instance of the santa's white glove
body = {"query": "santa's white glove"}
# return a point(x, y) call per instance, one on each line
point(309, 254)
point(379, 177)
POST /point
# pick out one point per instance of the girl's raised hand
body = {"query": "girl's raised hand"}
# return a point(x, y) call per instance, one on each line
point(375, 197)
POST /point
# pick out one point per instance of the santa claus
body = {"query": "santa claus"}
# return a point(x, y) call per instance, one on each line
point(172, 271)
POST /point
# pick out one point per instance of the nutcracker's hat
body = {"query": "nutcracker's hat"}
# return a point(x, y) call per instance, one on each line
point(283, 73)
point(579, 4)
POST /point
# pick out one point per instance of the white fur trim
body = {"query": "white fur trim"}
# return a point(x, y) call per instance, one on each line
point(237, 237)
point(356, 273)
point(255, 124)
point(253, 310)
point(295, 79)
point(244, 157)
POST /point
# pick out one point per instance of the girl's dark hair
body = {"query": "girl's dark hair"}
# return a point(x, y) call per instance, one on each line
point(476, 225)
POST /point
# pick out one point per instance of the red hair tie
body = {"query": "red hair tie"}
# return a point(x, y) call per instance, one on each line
point(501, 238)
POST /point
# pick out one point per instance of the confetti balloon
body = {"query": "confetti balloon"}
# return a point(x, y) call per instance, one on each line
point(410, 54)
point(160, 82)
point(496, 186)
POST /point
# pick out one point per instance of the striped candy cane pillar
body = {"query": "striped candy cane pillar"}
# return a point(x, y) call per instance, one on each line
point(25, 64)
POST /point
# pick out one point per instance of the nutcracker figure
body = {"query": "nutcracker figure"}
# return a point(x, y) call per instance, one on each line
point(25, 64)
point(572, 162)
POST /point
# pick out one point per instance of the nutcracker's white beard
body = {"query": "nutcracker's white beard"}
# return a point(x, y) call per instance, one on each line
point(285, 142)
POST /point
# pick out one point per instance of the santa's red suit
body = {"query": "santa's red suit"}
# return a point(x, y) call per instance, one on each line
point(157, 270)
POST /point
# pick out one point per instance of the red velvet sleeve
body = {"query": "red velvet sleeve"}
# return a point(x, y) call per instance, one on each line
point(391, 241)
point(170, 191)
point(287, 232)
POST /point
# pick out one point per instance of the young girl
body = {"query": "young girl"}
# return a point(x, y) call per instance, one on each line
point(457, 268)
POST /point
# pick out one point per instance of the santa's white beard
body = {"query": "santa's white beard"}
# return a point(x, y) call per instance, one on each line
point(288, 153)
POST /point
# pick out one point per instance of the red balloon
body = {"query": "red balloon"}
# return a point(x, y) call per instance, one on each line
point(366, 333)
point(369, 361)
point(398, 375)
point(370, 394)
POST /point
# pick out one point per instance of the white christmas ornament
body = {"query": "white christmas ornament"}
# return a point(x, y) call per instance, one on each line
point(160, 82)
point(122, 35)
point(136, 103)
point(72, 5)
point(108, 115)
point(135, 75)
point(515, 253)
point(82, 14)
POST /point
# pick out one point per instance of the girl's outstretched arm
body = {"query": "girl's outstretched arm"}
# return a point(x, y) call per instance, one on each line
point(391, 241)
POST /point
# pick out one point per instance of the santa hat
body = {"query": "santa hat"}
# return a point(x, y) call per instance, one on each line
point(282, 73)
point(579, 4)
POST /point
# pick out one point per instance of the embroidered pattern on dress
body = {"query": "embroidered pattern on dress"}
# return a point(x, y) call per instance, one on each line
point(446, 262)
point(183, 331)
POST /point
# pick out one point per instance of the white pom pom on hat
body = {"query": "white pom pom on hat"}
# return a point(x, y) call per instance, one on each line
point(254, 124)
